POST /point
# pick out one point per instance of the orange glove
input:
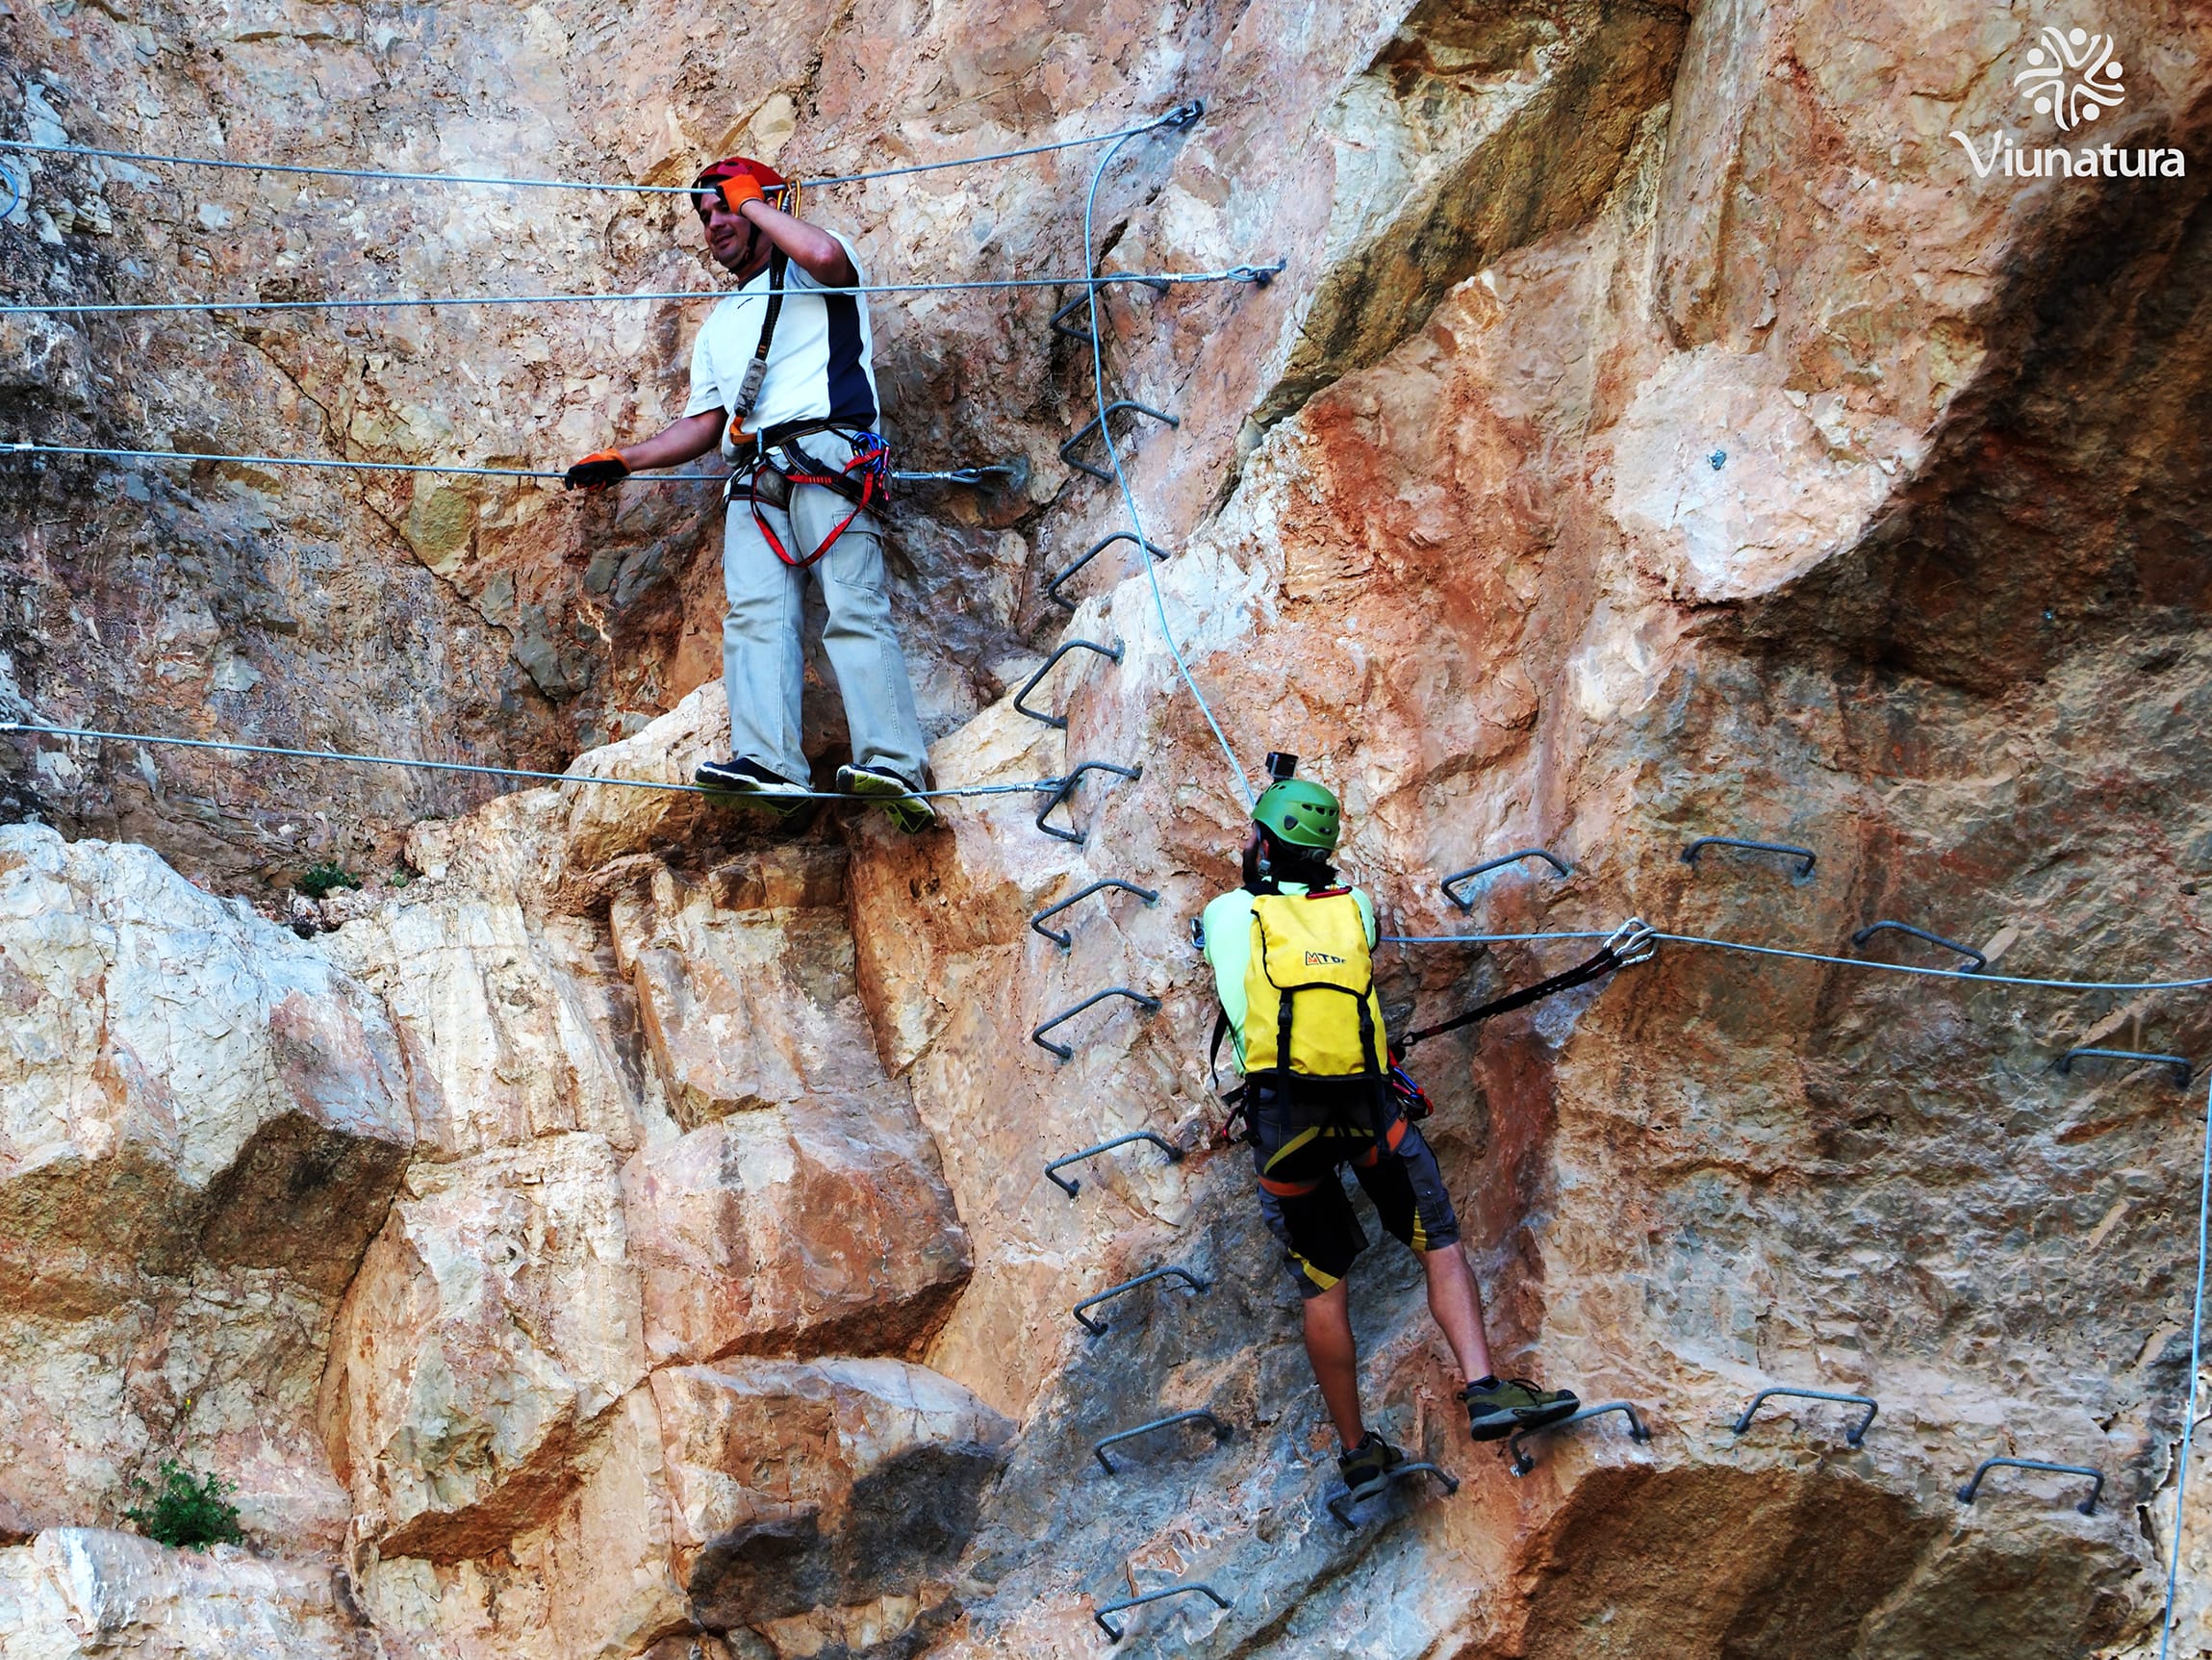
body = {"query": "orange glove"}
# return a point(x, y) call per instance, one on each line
point(595, 471)
point(738, 190)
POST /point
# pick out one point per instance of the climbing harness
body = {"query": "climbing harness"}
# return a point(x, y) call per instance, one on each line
point(1629, 944)
point(778, 462)
point(860, 481)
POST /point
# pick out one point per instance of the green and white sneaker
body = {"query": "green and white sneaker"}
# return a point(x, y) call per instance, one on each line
point(1367, 1465)
point(754, 783)
point(898, 797)
point(1496, 1412)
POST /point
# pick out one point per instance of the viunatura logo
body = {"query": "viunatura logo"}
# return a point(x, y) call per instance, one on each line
point(2073, 76)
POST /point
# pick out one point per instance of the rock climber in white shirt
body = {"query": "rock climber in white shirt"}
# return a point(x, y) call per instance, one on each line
point(782, 380)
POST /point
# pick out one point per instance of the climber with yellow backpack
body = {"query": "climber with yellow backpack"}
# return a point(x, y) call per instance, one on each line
point(1292, 951)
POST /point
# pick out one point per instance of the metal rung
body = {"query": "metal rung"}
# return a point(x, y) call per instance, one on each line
point(1071, 1188)
point(1553, 860)
point(1852, 1436)
point(1340, 1504)
point(1052, 587)
point(1976, 961)
point(1169, 1272)
point(1158, 285)
point(1067, 941)
point(2087, 1507)
point(1112, 654)
point(2182, 1064)
point(1114, 1631)
point(1094, 425)
point(1807, 854)
point(1067, 788)
point(1522, 1463)
point(1150, 1005)
point(1221, 1433)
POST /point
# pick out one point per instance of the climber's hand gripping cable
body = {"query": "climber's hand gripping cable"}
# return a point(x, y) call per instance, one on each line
point(595, 471)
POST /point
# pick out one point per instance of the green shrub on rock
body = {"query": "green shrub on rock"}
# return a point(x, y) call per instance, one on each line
point(324, 878)
point(187, 1509)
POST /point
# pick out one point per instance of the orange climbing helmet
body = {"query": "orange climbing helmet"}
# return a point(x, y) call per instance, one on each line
point(780, 190)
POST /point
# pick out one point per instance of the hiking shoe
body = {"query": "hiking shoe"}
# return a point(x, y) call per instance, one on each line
point(761, 788)
point(1496, 1412)
point(1368, 1466)
point(910, 811)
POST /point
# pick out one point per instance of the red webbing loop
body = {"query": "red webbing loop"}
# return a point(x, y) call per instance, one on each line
point(867, 461)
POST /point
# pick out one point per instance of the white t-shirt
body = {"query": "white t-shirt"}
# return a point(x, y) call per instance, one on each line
point(821, 365)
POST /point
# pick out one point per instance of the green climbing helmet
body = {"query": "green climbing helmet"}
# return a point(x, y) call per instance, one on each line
point(1300, 814)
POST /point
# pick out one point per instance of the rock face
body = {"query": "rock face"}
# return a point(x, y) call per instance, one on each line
point(201, 1123)
point(84, 1591)
point(630, 1235)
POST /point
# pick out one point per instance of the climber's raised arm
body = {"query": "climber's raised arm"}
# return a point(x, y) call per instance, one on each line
point(809, 247)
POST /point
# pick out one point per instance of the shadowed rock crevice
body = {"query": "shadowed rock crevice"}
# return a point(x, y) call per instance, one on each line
point(1766, 1566)
point(1477, 130)
point(2043, 520)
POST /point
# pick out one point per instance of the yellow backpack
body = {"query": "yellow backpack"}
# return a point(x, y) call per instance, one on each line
point(1309, 958)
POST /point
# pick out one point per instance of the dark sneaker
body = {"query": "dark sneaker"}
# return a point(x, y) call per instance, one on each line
point(749, 778)
point(1367, 1465)
point(910, 811)
point(1496, 1412)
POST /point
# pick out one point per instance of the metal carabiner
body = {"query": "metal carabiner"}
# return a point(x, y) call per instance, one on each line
point(1633, 942)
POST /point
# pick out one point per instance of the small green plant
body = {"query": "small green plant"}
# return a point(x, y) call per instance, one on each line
point(324, 878)
point(187, 1509)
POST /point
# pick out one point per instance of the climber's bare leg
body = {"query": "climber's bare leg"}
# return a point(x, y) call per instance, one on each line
point(1456, 1301)
point(1335, 1358)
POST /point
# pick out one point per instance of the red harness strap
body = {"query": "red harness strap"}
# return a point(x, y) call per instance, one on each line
point(868, 461)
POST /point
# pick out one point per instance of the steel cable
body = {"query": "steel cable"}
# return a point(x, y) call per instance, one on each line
point(1039, 786)
point(1233, 274)
point(2195, 1361)
point(944, 475)
point(343, 465)
point(1710, 942)
point(1121, 478)
point(1177, 113)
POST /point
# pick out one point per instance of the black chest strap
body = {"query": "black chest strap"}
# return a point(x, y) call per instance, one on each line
point(757, 371)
